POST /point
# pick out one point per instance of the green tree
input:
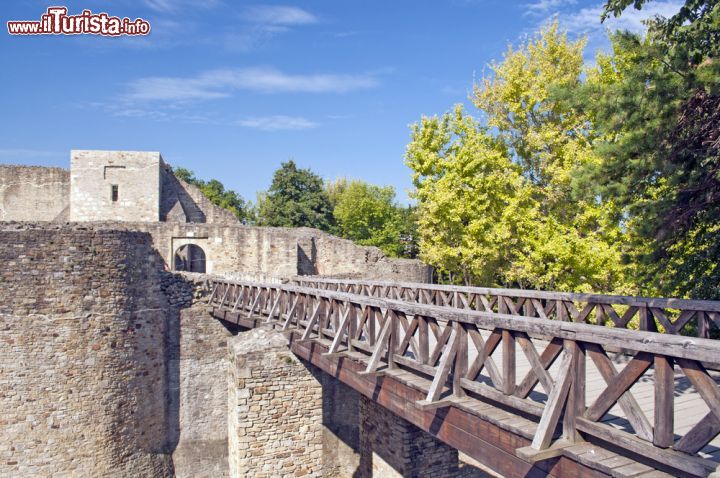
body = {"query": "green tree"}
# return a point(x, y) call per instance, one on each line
point(496, 201)
point(215, 191)
point(409, 234)
point(696, 26)
point(545, 136)
point(577, 243)
point(472, 200)
point(369, 215)
point(296, 198)
point(654, 102)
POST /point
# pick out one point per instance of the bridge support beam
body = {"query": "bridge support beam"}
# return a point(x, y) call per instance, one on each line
point(393, 447)
point(274, 409)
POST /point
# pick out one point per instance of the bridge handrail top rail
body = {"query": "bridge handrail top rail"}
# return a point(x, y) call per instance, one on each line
point(638, 301)
point(693, 348)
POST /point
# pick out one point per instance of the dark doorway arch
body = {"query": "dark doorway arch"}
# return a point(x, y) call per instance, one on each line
point(190, 258)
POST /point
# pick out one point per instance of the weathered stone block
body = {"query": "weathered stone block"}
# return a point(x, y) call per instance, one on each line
point(272, 435)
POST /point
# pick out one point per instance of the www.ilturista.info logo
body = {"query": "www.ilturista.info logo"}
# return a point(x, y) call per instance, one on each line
point(57, 22)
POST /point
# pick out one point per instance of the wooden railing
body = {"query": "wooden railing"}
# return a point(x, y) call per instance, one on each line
point(456, 351)
point(672, 316)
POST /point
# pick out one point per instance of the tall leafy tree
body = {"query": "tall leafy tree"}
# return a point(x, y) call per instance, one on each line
point(296, 198)
point(473, 205)
point(655, 102)
point(517, 219)
point(369, 215)
point(545, 138)
point(577, 244)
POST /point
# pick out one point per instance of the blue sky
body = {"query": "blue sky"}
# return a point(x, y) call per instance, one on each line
point(230, 89)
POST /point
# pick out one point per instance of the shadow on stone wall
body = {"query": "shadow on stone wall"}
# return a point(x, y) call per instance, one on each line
point(341, 425)
point(307, 264)
point(176, 205)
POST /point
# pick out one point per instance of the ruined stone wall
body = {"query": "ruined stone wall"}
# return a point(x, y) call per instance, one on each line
point(280, 252)
point(82, 354)
point(136, 174)
point(150, 198)
point(274, 409)
point(337, 257)
point(393, 447)
point(31, 193)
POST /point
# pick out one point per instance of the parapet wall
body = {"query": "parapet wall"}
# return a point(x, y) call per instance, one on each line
point(82, 354)
point(337, 257)
point(277, 251)
point(32, 193)
point(137, 191)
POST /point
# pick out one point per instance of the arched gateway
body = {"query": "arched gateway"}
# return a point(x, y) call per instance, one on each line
point(190, 258)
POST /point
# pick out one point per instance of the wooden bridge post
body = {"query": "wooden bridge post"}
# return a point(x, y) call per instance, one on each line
point(393, 342)
point(508, 353)
point(461, 359)
point(663, 435)
point(575, 405)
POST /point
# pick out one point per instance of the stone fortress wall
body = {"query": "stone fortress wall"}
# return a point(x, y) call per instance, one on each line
point(33, 193)
point(82, 355)
point(136, 190)
point(111, 366)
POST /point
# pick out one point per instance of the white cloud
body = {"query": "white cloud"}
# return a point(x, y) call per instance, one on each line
point(172, 89)
point(263, 23)
point(280, 15)
point(587, 20)
point(251, 39)
point(221, 83)
point(278, 122)
point(543, 7)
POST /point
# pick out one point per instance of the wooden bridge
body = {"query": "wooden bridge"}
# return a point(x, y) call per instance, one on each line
point(529, 383)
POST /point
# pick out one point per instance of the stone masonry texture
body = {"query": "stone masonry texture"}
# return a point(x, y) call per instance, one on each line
point(82, 360)
point(264, 251)
point(31, 193)
point(135, 175)
point(151, 199)
point(393, 447)
point(274, 408)
point(197, 385)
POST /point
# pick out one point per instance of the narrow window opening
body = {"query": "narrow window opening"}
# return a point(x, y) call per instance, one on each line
point(114, 192)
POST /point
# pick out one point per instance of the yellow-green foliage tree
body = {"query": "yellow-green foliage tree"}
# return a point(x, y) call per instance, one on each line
point(473, 201)
point(500, 208)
